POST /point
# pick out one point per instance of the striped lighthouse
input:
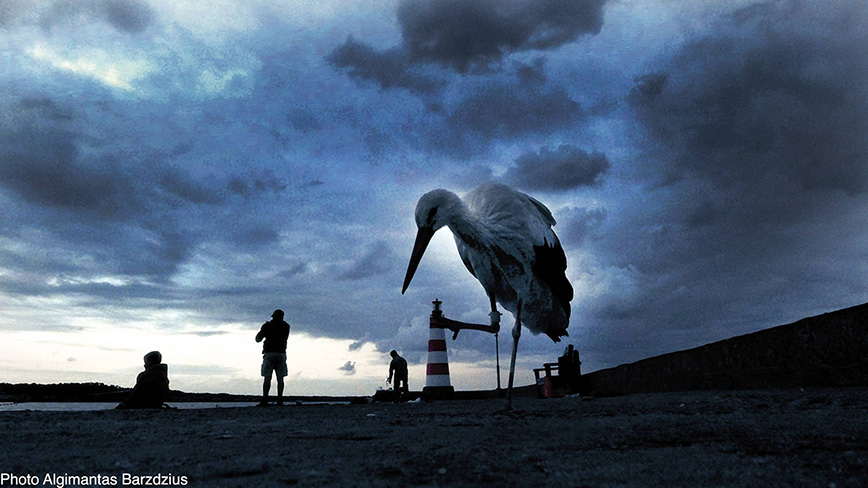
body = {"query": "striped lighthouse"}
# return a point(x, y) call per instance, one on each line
point(437, 384)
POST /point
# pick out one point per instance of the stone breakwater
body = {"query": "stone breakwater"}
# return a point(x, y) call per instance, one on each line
point(826, 350)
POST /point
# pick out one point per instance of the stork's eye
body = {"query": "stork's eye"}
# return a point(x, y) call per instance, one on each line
point(431, 214)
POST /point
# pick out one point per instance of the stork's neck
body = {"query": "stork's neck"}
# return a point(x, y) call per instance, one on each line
point(463, 224)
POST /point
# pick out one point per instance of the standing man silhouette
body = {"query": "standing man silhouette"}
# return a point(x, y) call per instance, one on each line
point(275, 332)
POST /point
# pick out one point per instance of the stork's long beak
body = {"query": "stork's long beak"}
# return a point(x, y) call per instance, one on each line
point(423, 237)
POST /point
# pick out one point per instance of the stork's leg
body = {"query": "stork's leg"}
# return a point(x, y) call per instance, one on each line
point(516, 334)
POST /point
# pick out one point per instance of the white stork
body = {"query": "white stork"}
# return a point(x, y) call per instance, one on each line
point(506, 241)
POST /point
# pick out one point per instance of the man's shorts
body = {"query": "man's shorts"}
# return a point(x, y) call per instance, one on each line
point(274, 361)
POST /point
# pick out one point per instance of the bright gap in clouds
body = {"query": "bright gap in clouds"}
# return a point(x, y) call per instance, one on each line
point(96, 64)
point(223, 360)
point(227, 361)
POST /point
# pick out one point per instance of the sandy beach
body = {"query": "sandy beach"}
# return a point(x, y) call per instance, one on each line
point(770, 438)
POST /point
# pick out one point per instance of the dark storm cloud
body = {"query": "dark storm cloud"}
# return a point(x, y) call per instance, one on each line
point(349, 368)
point(10, 10)
point(127, 16)
point(515, 101)
point(780, 97)
point(246, 236)
point(376, 260)
point(113, 210)
point(464, 35)
point(388, 69)
point(507, 109)
point(647, 88)
point(468, 33)
point(294, 270)
point(46, 108)
point(303, 120)
point(43, 166)
point(564, 168)
point(575, 225)
point(256, 184)
point(208, 333)
point(176, 184)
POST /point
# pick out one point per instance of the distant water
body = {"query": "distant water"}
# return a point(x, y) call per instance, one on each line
point(96, 406)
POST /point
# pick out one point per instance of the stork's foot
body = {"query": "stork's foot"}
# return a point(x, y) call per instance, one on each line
point(506, 410)
point(456, 326)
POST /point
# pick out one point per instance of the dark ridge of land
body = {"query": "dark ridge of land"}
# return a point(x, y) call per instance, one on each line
point(828, 350)
point(61, 392)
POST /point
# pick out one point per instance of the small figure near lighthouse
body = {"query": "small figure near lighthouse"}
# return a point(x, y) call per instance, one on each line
point(398, 369)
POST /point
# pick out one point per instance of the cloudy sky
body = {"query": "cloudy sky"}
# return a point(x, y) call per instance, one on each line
point(171, 172)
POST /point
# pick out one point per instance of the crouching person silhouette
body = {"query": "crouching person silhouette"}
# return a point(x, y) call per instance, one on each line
point(152, 384)
point(275, 332)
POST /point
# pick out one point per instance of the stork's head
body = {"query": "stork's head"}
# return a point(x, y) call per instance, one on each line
point(434, 210)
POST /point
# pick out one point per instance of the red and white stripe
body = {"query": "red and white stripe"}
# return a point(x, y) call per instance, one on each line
point(438, 361)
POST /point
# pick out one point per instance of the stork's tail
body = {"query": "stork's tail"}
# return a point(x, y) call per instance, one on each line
point(557, 334)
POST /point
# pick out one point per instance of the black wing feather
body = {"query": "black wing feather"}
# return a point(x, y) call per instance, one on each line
point(550, 266)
